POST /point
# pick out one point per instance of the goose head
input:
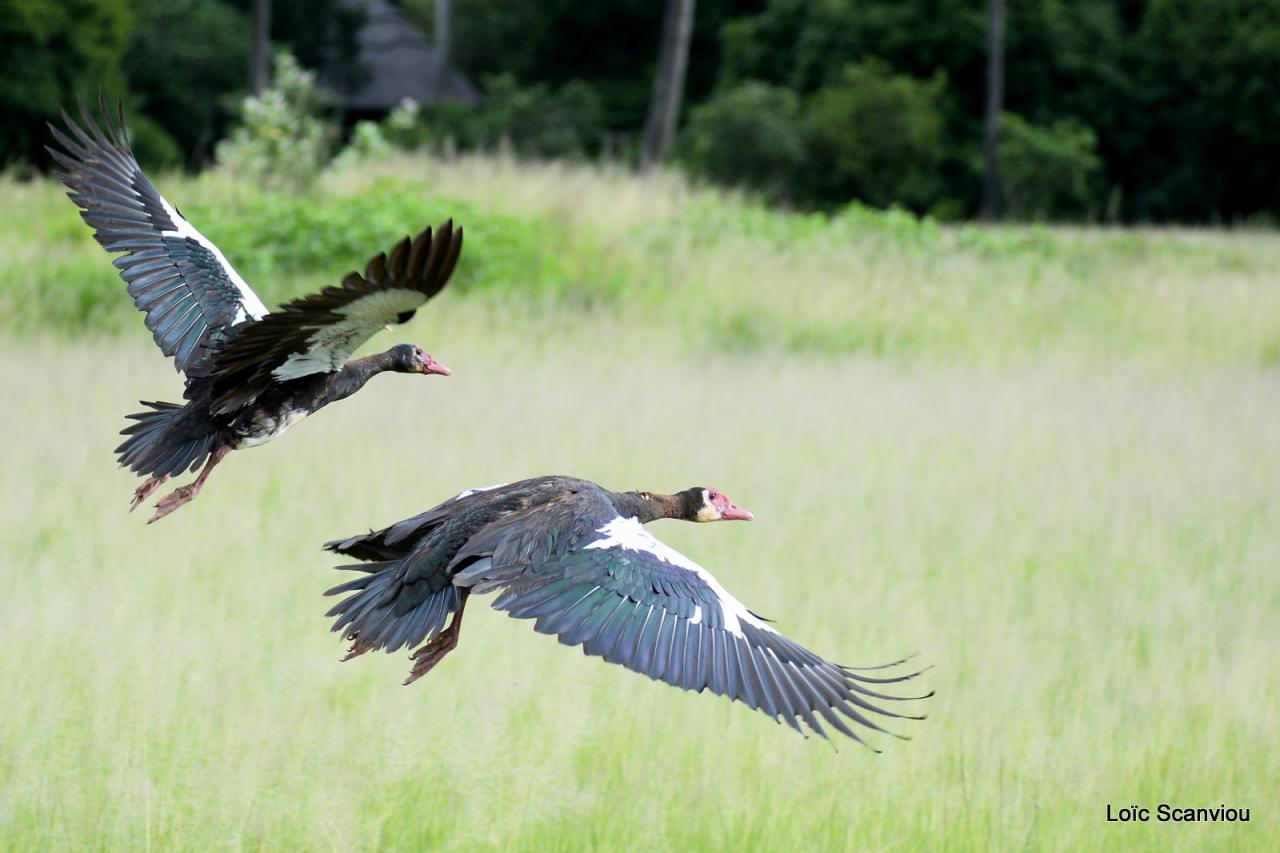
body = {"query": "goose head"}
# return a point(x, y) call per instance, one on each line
point(707, 504)
point(700, 503)
point(410, 358)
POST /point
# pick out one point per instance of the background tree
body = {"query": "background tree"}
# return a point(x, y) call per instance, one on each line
point(442, 42)
point(607, 44)
point(182, 84)
point(1170, 109)
point(1049, 172)
point(259, 54)
point(321, 34)
point(1204, 138)
point(50, 53)
point(668, 82)
point(991, 190)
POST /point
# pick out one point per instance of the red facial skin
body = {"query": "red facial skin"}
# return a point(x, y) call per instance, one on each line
point(429, 364)
point(729, 511)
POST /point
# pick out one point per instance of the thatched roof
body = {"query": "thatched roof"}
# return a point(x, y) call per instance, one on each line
point(399, 61)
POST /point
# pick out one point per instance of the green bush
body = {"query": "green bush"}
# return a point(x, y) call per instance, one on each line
point(442, 125)
point(368, 142)
point(1048, 172)
point(286, 245)
point(540, 121)
point(751, 136)
point(878, 137)
point(404, 127)
point(284, 138)
point(537, 121)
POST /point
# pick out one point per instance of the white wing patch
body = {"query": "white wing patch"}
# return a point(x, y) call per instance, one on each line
point(382, 306)
point(629, 534)
point(469, 492)
point(250, 304)
point(330, 346)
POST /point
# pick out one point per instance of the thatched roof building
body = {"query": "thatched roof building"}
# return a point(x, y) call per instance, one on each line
point(400, 64)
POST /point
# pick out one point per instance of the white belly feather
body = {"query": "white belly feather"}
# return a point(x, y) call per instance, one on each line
point(263, 428)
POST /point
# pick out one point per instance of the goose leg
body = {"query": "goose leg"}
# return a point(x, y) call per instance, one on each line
point(426, 657)
point(185, 494)
point(144, 491)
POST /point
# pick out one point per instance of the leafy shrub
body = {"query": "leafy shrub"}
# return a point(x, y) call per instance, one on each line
point(878, 137)
point(405, 127)
point(368, 142)
point(286, 245)
point(751, 136)
point(443, 125)
point(872, 136)
point(1048, 171)
point(573, 123)
point(284, 139)
point(537, 121)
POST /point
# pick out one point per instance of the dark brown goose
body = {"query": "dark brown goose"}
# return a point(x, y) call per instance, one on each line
point(250, 374)
point(576, 558)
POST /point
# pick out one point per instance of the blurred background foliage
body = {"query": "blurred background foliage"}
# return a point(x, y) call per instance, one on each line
point(283, 140)
point(1129, 110)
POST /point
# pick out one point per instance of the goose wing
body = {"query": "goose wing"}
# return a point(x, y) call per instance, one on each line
point(400, 538)
point(190, 294)
point(605, 583)
point(318, 333)
point(405, 589)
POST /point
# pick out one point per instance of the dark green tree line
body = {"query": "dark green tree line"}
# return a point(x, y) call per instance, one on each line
point(180, 65)
point(1138, 109)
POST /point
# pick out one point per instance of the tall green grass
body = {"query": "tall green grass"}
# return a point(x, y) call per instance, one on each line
point(1045, 459)
point(1089, 560)
point(732, 275)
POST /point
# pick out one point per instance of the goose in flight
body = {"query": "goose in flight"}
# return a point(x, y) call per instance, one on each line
point(250, 373)
point(577, 559)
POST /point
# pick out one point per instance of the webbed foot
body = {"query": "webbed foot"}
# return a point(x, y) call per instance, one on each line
point(170, 502)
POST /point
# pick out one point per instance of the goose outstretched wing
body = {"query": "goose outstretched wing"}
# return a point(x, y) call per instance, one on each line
point(603, 582)
point(190, 294)
point(318, 333)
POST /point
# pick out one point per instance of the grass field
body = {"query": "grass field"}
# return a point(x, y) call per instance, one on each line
point(1046, 460)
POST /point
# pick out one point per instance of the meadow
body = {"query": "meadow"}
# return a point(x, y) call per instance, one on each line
point(1044, 458)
